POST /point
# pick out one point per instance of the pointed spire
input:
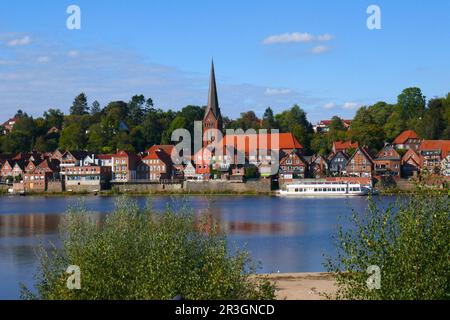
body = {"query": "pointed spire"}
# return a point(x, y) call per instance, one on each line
point(213, 101)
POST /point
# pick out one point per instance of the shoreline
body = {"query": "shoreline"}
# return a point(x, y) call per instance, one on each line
point(303, 285)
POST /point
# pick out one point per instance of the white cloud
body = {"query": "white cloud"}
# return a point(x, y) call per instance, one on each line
point(350, 105)
point(19, 41)
point(296, 37)
point(275, 91)
point(320, 49)
point(329, 105)
point(43, 59)
point(325, 37)
point(73, 53)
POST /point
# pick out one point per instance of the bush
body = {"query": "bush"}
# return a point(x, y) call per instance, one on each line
point(142, 254)
point(409, 242)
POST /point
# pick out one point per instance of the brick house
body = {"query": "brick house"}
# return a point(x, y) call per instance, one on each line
point(411, 163)
point(407, 140)
point(324, 125)
point(318, 166)
point(72, 159)
point(292, 165)
point(124, 166)
point(360, 164)
point(344, 146)
point(7, 168)
point(38, 175)
point(387, 162)
point(157, 165)
point(433, 152)
point(8, 125)
point(337, 162)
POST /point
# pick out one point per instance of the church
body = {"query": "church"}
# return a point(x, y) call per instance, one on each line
point(225, 164)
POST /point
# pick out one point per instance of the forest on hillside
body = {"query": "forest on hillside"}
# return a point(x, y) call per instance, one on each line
point(137, 124)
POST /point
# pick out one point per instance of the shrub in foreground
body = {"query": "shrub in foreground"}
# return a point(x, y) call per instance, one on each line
point(142, 254)
point(408, 241)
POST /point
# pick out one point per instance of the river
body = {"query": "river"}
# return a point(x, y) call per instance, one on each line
point(284, 234)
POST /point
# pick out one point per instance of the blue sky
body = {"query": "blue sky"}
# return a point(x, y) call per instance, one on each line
point(318, 54)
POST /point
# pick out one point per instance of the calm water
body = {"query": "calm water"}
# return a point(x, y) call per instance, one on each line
point(285, 234)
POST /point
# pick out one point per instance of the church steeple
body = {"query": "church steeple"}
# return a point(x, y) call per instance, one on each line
point(213, 101)
point(212, 118)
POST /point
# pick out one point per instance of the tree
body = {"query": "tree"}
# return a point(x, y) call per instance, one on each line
point(433, 124)
point(95, 108)
point(73, 137)
point(269, 119)
point(136, 108)
point(411, 103)
point(54, 118)
point(148, 255)
point(79, 105)
point(247, 120)
point(408, 242)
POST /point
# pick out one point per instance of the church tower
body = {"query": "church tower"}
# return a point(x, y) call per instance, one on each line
point(212, 118)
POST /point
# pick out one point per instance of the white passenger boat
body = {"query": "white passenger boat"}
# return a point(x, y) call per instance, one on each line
point(325, 189)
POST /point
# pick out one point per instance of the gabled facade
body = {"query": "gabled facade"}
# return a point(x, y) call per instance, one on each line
point(411, 164)
point(156, 166)
point(318, 167)
point(6, 170)
point(292, 165)
point(124, 166)
point(337, 163)
point(8, 125)
point(38, 176)
point(388, 162)
point(360, 164)
point(407, 140)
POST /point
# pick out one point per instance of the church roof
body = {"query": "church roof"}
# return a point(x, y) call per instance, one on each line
point(213, 101)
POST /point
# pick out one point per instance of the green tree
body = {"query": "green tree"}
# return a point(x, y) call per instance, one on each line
point(136, 108)
point(73, 137)
point(54, 118)
point(95, 108)
point(79, 105)
point(408, 241)
point(411, 103)
point(141, 254)
point(269, 119)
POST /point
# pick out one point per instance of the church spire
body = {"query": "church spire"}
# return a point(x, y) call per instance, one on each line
point(213, 101)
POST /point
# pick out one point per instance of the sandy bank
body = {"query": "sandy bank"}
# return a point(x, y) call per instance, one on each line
point(303, 286)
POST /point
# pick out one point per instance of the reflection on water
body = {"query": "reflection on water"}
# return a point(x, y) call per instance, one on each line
point(286, 235)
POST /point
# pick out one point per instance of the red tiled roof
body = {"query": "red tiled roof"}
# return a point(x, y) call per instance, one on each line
point(285, 141)
point(6, 123)
point(167, 148)
point(343, 145)
point(328, 122)
point(404, 136)
point(443, 145)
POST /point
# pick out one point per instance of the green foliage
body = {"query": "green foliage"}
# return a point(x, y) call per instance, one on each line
point(251, 172)
point(79, 105)
point(102, 129)
point(409, 241)
point(73, 137)
point(142, 254)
